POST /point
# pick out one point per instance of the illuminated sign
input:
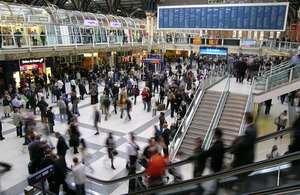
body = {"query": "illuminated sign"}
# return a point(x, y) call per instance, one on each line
point(115, 24)
point(32, 61)
point(142, 26)
point(213, 51)
point(34, 18)
point(293, 27)
point(91, 22)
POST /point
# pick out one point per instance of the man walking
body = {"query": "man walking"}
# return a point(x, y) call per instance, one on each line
point(62, 109)
point(18, 122)
point(79, 176)
point(96, 120)
point(61, 146)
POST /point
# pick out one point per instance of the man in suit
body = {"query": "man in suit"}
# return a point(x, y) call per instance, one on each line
point(241, 67)
point(216, 152)
point(62, 146)
point(37, 152)
point(43, 107)
point(59, 176)
point(50, 117)
point(246, 147)
point(166, 135)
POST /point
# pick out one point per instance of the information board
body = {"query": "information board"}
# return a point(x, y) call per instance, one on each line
point(258, 16)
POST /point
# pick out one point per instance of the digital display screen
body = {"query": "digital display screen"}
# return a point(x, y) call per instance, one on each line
point(213, 51)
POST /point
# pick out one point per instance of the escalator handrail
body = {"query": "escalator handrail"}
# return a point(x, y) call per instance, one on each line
point(274, 135)
point(276, 68)
point(226, 173)
point(284, 71)
point(278, 189)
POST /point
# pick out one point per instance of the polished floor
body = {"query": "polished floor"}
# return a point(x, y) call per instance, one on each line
point(12, 151)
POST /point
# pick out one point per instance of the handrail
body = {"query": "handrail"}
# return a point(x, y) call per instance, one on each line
point(286, 70)
point(208, 137)
point(276, 68)
point(226, 173)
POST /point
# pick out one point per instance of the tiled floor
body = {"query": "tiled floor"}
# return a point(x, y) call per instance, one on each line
point(141, 124)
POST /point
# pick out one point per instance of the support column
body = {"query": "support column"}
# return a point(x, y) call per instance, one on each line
point(151, 27)
point(93, 59)
point(148, 15)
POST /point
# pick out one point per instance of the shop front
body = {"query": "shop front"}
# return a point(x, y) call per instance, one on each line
point(103, 58)
point(29, 68)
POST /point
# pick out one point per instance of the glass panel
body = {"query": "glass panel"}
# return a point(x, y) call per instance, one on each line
point(50, 34)
point(5, 13)
point(7, 36)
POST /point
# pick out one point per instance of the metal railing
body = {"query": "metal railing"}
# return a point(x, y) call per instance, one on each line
point(192, 109)
point(276, 68)
point(270, 82)
point(12, 41)
point(224, 174)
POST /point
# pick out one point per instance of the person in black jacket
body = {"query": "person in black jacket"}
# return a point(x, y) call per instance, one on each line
point(74, 137)
point(241, 68)
point(59, 176)
point(61, 146)
point(43, 107)
point(50, 116)
point(37, 153)
point(200, 158)
point(45, 162)
point(216, 152)
point(166, 135)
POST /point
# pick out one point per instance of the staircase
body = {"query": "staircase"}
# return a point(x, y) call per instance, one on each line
point(231, 119)
point(200, 122)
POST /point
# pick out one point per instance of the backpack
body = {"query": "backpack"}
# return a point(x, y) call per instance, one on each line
point(28, 94)
point(134, 91)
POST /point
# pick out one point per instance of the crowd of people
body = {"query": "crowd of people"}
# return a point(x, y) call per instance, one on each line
point(121, 89)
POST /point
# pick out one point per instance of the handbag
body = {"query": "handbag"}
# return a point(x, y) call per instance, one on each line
point(143, 162)
point(30, 168)
point(114, 152)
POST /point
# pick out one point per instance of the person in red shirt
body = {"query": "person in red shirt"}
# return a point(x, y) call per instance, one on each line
point(144, 95)
point(156, 168)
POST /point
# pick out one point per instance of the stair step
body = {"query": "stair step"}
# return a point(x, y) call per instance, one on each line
point(196, 133)
point(195, 130)
point(225, 126)
point(232, 123)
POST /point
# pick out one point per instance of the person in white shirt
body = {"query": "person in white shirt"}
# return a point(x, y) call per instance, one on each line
point(73, 85)
point(132, 149)
point(16, 103)
point(60, 85)
point(40, 95)
point(154, 105)
point(78, 172)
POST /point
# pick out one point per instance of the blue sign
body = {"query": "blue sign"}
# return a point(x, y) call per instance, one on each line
point(258, 16)
point(156, 56)
point(108, 54)
point(213, 51)
point(40, 175)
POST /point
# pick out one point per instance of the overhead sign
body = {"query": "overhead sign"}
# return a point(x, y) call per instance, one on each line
point(91, 22)
point(151, 61)
point(293, 27)
point(115, 24)
point(35, 18)
point(40, 175)
point(213, 51)
point(32, 61)
point(102, 54)
point(258, 16)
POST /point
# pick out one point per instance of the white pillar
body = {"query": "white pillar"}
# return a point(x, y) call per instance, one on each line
point(93, 59)
point(151, 27)
point(148, 23)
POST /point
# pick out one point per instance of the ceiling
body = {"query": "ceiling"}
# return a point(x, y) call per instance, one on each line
point(131, 8)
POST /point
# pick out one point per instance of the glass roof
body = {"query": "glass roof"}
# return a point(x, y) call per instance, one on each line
point(19, 13)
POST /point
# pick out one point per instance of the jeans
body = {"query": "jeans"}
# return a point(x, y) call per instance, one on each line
point(75, 109)
point(144, 102)
point(50, 127)
point(122, 109)
point(53, 98)
point(128, 113)
point(61, 118)
point(80, 189)
point(278, 129)
point(230, 69)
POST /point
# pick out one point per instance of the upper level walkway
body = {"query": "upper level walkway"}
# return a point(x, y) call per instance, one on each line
point(61, 44)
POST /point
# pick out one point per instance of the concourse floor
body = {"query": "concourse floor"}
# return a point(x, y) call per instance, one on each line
point(12, 151)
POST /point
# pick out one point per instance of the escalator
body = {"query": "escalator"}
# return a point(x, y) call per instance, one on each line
point(273, 85)
point(264, 176)
point(231, 119)
point(201, 121)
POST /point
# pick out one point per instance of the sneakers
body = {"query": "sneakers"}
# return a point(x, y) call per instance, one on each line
point(113, 167)
point(97, 133)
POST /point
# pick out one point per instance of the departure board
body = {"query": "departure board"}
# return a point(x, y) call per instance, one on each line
point(258, 16)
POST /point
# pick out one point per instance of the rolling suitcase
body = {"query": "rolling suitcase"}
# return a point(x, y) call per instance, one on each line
point(161, 107)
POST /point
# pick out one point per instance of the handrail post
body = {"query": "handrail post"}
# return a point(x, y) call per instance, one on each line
point(267, 82)
point(290, 75)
